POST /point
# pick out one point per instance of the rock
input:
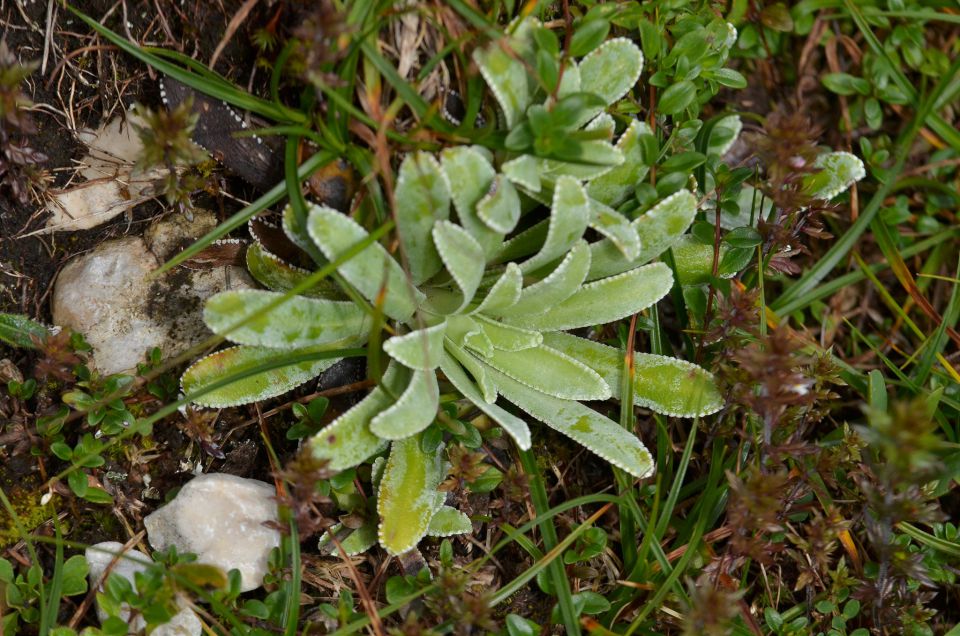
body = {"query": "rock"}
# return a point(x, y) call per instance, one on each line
point(106, 296)
point(99, 556)
point(221, 519)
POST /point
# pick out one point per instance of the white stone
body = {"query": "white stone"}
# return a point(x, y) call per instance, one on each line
point(99, 556)
point(106, 296)
point(220, 518)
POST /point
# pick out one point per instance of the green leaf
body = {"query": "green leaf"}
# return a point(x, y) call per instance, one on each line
point(569, 218)
point(729, 78)
point(506, 76)
point(582, 424)
point(838, 171)
point(275, 274)
point(723, 135)
point(449, 521)
point(504, 293)
point(361, 539)
point(463, 257)
point(590, 160)
point(20, 331)
point(666, 385)
point(524, 171)
point(422, 199)
point(551, 372)
point(473, 175)
point(614, 187)
point(225, 363)
point(507, 338)
point(611, 70)
point(846, 84)
point(499, 209)
point(659, 228)
point(514, 426)
point(604, 301)
point(694, 260)
point(743, 237)
point(413, 411)
point(562, 282)
point(298, 322)
point(588, 35)
point(335, 234)
point(420, 349)
point(616, 228)
point(677, 97)
point(407, 494)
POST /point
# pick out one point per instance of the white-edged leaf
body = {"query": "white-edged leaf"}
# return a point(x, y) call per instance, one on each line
point(597, 157)
point(551, 372)
point(422, 198)
point(463, 257)
point(413, 411)
point(604, 301)
point(465, 331)
point(233, 361)
point(513, 425)
point(471, 175)
point(275, 274)
point(666, 385)
point(723, 135)
point(617, 228)
point(499, 209)
point(504, 293)
point(476, 369)
point(838, 171)
point(605, 122)
point(449, 521)
point(562, 282)
point(299, 236)
point(507, 338)
point(597, 433)
point(611, 69)
point(370, 269)
point(524, 171)
point(297, 322)
point(615, 186)
point(569, 218)
point(420, 349)
point(407, 493)
point(506, 74)
point(659, 229)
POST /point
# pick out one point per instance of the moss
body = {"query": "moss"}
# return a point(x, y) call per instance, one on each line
point(26, 504)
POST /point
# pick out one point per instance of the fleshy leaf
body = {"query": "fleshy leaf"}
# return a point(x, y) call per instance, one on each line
point(449, 521)
point(357, 542)
point(500, 208)
point(659, 228)
point(666, 385)
point(19, 331)
point(611, 69)
point(505, 74)
point(473, 175)
point(423, 198)
point(336, 233)
point(596, 158)
point(507, 338)
point(562, 282)
point(604, 301)
point(476, 369)
point(298, 322)
point(568, 221)
point(582, 424)
point(277, 275)
point(406, 496)
point(414, 409)
point(347, 440)
point(605, 122)
point(513, 425)
point(839, 171)
point(462, 256)
point(504, 293)
point(617, 228)
point(551, 372)
point(419, 349)
point(222, 364)
point(694, 261)
point(614, 187)
point(524, 171)
point(298, 236)
point(723, 135)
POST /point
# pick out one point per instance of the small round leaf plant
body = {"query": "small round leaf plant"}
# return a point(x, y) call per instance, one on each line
point(474, 303)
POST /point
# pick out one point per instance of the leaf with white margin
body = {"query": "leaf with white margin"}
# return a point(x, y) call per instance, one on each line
point(507, 338)
point(422, 199)
point(297, 322)
point(500, 208)
point(614, 187)
point(693, 261)
point(569, 217)
point(506, 75)
point(298, 235)
point(513, 425)
point(604, 301)
point(275, 274)
point(617, 228)
point(569, 83)
point(473, 174)
point(524, 171)
point(504, 293)
point(593, 431)
point(753, 206)
point(723, 135)
point(611, 69)
point(335, 234)
point(357, 542)
point(413, 411)
point(405, 499)
point(595, 158)
point(550, 372)
point(462, 256)
point(449, 521)
point(476, 369)
point(562, 283)
point(659, 229)
point(347, 441)
point(663, 384)
point(838, 171)
point(222, 364)
point(605, 122)
point(524, 243)
point(420, 349)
